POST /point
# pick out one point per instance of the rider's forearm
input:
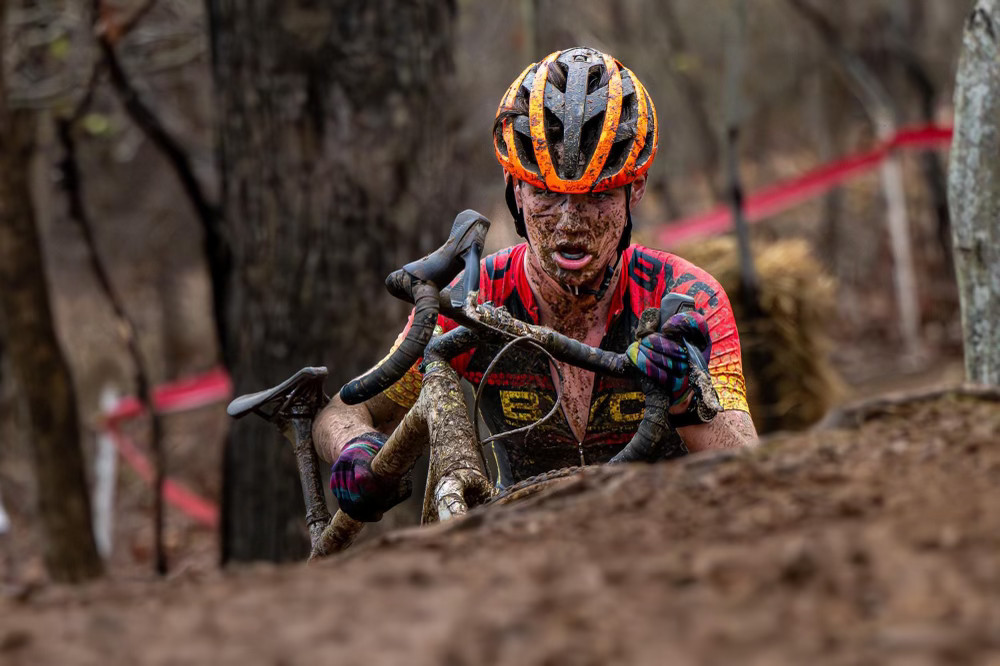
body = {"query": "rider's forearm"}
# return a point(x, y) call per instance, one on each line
point(338, 423)
point(730, 429)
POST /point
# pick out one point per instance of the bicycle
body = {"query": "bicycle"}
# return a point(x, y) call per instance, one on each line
point(439, 421)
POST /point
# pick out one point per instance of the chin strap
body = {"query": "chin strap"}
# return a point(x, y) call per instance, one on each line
point(598, 293)
point(515, 212)
point(609, 272)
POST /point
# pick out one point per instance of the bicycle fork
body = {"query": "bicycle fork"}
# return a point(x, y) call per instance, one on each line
point(456, 477)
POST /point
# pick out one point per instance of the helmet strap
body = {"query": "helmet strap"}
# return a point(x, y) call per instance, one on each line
point(626, 238)
point(598, 293)
point(515, 212)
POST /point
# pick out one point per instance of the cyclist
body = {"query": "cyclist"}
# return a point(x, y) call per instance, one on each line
point(575, 135)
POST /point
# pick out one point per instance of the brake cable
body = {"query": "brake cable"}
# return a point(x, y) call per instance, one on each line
point(482, 383)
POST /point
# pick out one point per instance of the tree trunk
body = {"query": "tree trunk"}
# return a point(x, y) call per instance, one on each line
point(974, 191)
point(334, 124)
point(37, 363)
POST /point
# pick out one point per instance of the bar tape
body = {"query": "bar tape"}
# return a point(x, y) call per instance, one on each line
point(777, 198)
point(185, 394)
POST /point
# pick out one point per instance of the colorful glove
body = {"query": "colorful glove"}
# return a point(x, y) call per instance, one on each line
point(361, 493)
point(664, 358)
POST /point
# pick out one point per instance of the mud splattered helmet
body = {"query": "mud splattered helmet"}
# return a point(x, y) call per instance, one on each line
point(578, 121)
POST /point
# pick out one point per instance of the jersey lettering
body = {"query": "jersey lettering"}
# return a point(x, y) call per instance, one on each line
point(645, 270)
point(627, 407)
point(699, 287)
point(520, 405)
point(598, 402)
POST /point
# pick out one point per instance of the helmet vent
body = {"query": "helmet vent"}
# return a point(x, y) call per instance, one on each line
point(554, 138)
point(616, 158)
point(630, 110)
point(525, 152)
point(648, 147)
point(499, 140)
point(597, 78)
point(557, 75)
point(591, 135)
point(646, 150)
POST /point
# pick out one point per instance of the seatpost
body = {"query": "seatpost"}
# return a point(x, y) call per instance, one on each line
point(317, 514)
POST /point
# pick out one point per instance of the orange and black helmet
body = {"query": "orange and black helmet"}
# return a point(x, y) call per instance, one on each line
point(578, 121)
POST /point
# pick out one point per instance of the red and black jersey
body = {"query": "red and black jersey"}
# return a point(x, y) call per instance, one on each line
point(520, 390)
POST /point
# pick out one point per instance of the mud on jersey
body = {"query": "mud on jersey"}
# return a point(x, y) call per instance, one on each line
point(520, 390)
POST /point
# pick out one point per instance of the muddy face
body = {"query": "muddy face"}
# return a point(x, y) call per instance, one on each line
point(573, 237)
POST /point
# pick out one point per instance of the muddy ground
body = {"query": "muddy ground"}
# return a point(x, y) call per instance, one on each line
point(876, 542)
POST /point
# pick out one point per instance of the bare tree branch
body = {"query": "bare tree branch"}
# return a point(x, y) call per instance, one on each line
point(150, 124)
point(208, 212)
point(72, 183)
point(132, 21)
point(859, 76)
point(881, 108)
point(71, 180)
point(694, 97)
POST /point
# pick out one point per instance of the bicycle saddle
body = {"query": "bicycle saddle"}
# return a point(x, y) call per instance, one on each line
point(304, 387)
point(461, 251)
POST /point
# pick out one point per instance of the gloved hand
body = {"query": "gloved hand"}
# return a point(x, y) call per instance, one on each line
point(664, 358)
point(361, 493)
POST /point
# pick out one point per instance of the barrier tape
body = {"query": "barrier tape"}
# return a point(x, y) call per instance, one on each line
point(183, 394)
point(782, 196)
point(189, 393)
point(189, 502)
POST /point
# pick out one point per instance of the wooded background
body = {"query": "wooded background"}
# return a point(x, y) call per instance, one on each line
point(248, 172)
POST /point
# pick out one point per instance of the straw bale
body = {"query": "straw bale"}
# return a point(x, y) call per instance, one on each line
point(790, 380)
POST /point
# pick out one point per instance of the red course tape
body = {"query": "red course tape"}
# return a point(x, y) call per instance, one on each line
point(190, 393)
point(777, 198)
point(191, 503)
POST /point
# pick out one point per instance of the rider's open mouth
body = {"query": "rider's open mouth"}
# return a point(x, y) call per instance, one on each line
point(571, 257)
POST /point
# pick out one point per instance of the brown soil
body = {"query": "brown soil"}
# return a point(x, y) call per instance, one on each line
point(873, 543)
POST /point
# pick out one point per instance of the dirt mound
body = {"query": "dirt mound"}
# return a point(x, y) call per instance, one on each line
point(872, 543)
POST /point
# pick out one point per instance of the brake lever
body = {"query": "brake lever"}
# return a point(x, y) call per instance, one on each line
point(470, 279)
point(462, 250)
point(674, 303)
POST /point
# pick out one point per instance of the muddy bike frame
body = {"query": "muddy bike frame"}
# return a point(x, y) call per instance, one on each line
point(439, 422)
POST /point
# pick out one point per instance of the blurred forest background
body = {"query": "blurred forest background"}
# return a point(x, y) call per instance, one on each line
point(250, 174)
